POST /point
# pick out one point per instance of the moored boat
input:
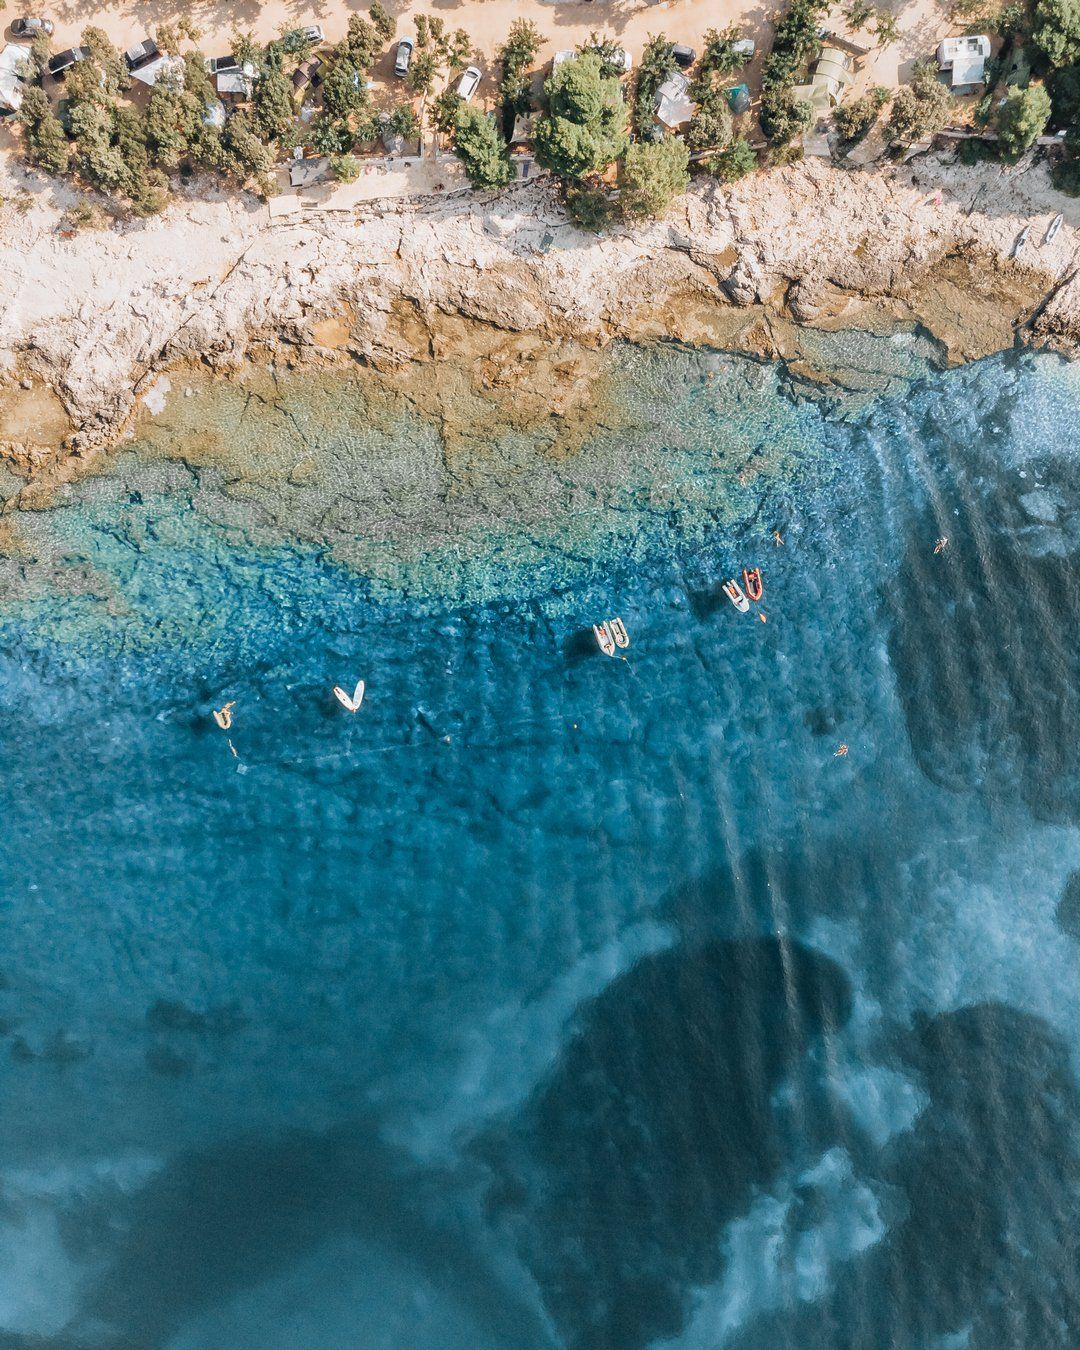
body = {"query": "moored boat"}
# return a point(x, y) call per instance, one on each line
point(752, 582)
point(1021, 239)
point(350, 701)
point(619, 633)
point(1055, 225)
point(734, 593)
point(604, 639)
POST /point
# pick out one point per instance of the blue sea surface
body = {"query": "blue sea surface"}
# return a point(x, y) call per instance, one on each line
point(722, 995)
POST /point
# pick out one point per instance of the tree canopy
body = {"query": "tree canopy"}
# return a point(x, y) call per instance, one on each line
point(651, 175)
point(480, 147)
point(1022, 118)
point(920, 109)
point(1056, 30)
point(582, 129)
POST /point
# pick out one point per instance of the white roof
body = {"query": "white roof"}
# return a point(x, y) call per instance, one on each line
point(673, 104)
point(962, 47)
point(12, 59)
point(968, 70)
point(153, 70)
point(236, 81)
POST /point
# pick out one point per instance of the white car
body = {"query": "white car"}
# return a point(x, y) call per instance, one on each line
point(468, 83)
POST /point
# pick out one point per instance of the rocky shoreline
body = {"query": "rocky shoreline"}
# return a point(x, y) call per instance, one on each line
point(502, 297)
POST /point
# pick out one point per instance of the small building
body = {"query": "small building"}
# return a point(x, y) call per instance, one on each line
point(674, 106)
point(307, 172)
point(964, 59)
point(156, 69)
point(235, 85)
point(13, 66)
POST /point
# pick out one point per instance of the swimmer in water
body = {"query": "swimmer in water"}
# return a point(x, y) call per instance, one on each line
point(941, 544)
point(778, 538)
point(840, 751)
point(223, 716)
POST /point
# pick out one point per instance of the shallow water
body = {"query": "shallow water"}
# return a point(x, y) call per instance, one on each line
point(551, 1000)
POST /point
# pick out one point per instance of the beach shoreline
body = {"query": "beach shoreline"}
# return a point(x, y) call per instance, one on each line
point(501, 294)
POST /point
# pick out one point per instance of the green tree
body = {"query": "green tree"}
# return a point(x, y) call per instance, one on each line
point(404, 121)
point(423, 70)
point(383, 22)
point(362, 43)
point(719, 57)
point(108, 60)
point(783, 116)
point(443, 111)
point(920, 109)
point(738, 160)
point(46, 143)
point(652, 173)
point(711, 124)
point(886, 27)
point(609, 52)
point(858, 14)
point(1065, 96)
point(345, 91)
point(795, 42)
point(245, 155)
point(515, 56)
point(480, 147)
point(1057, 30)
point(582, 130)
point(272, 97)
point(853, 120)
point(656, 65)
point(172, 113)
point(329, 135)
point(1022, 118)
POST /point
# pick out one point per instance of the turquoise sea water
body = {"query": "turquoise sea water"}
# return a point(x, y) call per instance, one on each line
point(551, 1000)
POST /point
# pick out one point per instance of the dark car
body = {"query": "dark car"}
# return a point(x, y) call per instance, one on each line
point(216, 64)
point(682, 55)
point(65, 60)
point(404, 56)
point(141, 54)
point(27, 27)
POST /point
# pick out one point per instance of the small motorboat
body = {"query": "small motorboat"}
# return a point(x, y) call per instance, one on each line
point(352, 701)
point(1021, 239)
point(734, 593)
point(752, 582)
point(619, 633)
point(604, 638)
point(223, 716)
point(1055, 225)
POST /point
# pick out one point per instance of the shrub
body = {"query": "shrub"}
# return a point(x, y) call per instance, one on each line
point(783, 116)
point(345, 168)
point(920, 109)
point(651, 175)
point(272, 97)
point(515, 56)
point(1022, 118)
point(588, 207)
point(738, 160)
point(711, 124)
point(480, 147)
point(245, 155)
point(582, 130)
point(853, 120)
point(108, 60)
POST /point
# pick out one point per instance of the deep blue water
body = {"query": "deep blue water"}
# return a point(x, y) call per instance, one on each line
point(551, 1000)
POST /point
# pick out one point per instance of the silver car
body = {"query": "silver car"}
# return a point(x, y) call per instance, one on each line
point(468, 83)
point(29, 26)
point(404, 57)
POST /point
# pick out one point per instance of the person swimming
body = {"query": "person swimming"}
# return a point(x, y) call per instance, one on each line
point(223, 716)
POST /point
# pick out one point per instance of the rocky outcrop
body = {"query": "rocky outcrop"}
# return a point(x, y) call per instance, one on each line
point(496, 285)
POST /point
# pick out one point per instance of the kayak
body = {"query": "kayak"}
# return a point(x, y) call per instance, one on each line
point(752, 582)
point(350, 701)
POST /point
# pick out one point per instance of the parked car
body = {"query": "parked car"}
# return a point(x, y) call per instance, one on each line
point(683, 55)
point(27, 27)
point(312, 33)
point(141, 54)
point(468, 83)
point(216, 64)
point(404, 57)
point(65, 60)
